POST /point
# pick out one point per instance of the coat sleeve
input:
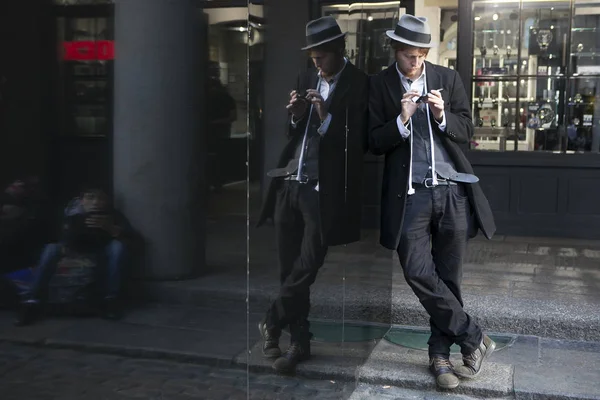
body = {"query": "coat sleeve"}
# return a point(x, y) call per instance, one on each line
point(384, 135)
point(459, 125)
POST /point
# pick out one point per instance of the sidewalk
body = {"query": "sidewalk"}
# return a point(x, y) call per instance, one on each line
point(534, 286)
point(541, 296)
point(527, 367)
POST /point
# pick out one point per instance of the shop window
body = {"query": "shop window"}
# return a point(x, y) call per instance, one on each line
point(583, 96)
point(228, 55)
point(367, 45)
point(528, 61)
point(583, 115)
point(448, 42)
point(85, 75)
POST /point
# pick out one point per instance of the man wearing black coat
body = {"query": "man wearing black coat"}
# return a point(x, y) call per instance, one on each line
point(315, 193)
point(431, 204)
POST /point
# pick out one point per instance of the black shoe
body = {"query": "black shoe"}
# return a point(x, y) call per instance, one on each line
point(27, 314)
point(111, 309)
point(441, 367)
point(297, 352)
point(270, 348)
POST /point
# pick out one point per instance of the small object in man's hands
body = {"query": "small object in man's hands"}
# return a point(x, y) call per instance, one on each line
point(99, 221)
point(302, 95)
point(424, 97)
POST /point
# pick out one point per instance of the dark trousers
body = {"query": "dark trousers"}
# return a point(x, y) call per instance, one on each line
point(431, 251)
point(301, 253)
point(111, 260)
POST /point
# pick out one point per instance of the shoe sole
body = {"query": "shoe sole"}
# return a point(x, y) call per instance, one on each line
point(289, 371)
point(440, 386)
point(448, 386)
point(271, 356)
point(487, 355)
point(265, 355)
point(286, 372)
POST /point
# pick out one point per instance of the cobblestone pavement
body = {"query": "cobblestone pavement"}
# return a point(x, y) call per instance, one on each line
point(30, 373)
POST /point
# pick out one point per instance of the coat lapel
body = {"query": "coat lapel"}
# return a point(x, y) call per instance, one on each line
point(434, 79)
point(395, 88)
point(341, 88)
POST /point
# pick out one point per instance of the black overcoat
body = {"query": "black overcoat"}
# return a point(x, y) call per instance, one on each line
point(340, 178)
point(385, 97)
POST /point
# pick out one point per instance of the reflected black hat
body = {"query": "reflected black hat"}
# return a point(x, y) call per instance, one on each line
point(321, 31)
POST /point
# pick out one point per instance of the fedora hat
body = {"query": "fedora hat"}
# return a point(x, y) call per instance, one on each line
point(413, 31)
point(322, 30)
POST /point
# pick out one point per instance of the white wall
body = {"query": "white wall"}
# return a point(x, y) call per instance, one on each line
point(434, 18)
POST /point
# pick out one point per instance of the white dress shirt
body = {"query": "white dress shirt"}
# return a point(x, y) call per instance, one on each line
point(419, 85)
point(326, 88)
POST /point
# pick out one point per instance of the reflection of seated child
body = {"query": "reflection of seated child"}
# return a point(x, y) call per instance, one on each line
point(93, 228)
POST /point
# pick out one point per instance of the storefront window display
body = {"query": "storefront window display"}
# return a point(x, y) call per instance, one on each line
point(85, 68)
point(527, 61)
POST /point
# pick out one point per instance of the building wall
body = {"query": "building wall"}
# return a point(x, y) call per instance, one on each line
point(25, 81)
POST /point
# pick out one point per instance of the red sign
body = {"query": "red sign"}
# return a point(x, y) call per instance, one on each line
point(88, 50)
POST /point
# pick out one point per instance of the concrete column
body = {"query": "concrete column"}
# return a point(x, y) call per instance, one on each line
point(158, 156)
point(285, 37)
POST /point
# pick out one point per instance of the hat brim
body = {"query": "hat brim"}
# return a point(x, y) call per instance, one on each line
point(324, 41)
point(397, 38)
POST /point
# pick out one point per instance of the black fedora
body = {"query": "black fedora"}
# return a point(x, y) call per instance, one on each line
point(322, 30)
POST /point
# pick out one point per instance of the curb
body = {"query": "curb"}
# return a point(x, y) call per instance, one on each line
point(402, 382)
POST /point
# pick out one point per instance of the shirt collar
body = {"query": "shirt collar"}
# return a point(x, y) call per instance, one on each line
point(336, 77)
point(404, 78)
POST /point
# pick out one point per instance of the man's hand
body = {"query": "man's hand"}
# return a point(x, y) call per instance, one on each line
point(408, 105)
point(436, 105)
point(104, 222)
point(315, 98)
point(297, 106)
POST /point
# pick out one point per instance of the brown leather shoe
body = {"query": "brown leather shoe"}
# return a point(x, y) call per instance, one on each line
point(472, 362)
point(441, 367)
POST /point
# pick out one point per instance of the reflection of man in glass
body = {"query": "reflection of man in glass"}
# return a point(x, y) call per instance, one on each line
point(419, 115)
point(315, 196)
point(221, 112)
